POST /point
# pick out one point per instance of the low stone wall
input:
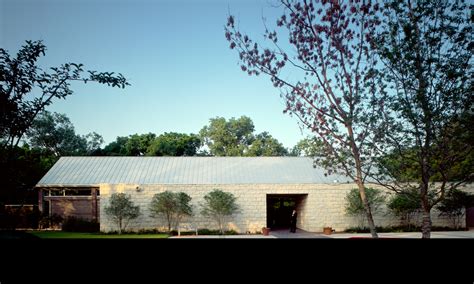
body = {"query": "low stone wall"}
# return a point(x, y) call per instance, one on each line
point(323, 206)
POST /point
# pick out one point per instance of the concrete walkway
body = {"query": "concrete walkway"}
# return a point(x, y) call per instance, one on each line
point(224, 237)
point(300, 234)
point(409, 235)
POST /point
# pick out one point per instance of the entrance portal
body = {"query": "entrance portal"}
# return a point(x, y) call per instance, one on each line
point(470, 217)
point(279, 208)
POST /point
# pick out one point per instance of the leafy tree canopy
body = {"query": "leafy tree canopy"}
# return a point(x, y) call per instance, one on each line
point(425, 49)
point(174, 144)
point(26, 89)
point(228, 138)
point(265, 145)
point(54, 132)
point(326, 73)
point(235, 137)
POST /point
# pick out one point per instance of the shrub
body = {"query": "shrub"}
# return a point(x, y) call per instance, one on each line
point(399, 229)
point(20, 217)
point(54, 221)
point(208, 232)
point(454, 205)
point(73, 224)
point(394, 229)
point(150, 231)
point(355, 207)
point(406, 206)
point(231, 232)
point(188, 233)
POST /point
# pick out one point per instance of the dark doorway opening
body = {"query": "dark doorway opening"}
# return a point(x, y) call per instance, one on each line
point(279, 208)
point(470, 217)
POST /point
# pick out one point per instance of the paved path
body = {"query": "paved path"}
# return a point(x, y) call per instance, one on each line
point(300, 234)
point(410, 235)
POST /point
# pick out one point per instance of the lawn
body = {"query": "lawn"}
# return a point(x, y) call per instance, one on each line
point(74, 235)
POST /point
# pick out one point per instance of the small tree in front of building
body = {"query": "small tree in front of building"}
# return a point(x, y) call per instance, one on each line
point(454, 206)
point(355, 206)
point(172, 206)
point(406, 206)
point(219, 205)
point(121, 210)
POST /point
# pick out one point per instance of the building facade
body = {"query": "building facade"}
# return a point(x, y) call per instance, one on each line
point(267, 189)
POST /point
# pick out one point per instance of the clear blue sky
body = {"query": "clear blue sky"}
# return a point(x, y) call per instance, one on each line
point(174, 54)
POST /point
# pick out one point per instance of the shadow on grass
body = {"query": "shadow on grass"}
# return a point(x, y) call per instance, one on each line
point(16, 235)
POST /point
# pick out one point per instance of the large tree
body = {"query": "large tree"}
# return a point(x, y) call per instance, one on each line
point(266, 145)
point(132, 145)
point(22, 173)
point(174, 144)
point(167, 144)
point(236, 137)
point(26, 89)
point(326, 75)
point(228, 138)
point(426, 50)
point(307, 147)
point(54, 132)
point(116, 148)
point(137, 145)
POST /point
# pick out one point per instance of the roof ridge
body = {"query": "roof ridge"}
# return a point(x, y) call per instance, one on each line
point(227, 157)
point(92, 170)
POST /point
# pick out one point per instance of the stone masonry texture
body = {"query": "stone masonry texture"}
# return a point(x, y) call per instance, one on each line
point(322, 205)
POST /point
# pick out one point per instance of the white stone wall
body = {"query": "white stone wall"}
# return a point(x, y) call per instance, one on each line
point(323, 206)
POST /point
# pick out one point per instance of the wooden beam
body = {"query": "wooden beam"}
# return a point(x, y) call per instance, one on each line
point(40, 200)
point(94, 203)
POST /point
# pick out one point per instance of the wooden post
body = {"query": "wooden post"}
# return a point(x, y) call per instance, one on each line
point(94, 204)
point(40, 200)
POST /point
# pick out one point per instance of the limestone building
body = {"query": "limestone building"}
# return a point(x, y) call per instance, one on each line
point(267, 189)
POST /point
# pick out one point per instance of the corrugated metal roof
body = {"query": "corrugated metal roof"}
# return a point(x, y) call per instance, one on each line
point(87, 171)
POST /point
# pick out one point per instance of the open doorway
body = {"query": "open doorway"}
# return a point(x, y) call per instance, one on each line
point(279, 208)
point(470, 217)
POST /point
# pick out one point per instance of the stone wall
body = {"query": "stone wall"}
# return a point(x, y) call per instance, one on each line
point(323, 206)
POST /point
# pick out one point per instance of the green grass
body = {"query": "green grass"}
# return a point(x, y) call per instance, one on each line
point(74, 235)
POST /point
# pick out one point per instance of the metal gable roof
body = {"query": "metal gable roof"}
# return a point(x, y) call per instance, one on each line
point(88, 171)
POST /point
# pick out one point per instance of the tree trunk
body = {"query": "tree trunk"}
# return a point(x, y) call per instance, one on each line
point(370, 220)
point(220, 226)
point(426, 226)
point(177, 225)
point(359, 181)
point(426, 223)
point(422, 98)
point(120, 226)
point(168, 218)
